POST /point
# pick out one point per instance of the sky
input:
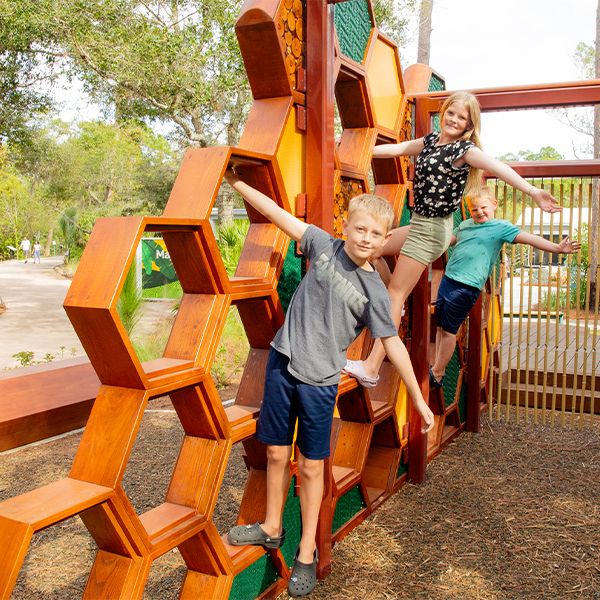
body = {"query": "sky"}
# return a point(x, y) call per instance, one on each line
point(490, 43)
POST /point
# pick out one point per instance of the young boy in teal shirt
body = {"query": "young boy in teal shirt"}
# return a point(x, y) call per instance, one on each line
point(477, 244)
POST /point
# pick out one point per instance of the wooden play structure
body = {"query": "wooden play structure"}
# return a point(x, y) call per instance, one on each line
point(302, 58)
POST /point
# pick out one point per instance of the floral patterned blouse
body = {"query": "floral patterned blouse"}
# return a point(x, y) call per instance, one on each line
point(439, 186)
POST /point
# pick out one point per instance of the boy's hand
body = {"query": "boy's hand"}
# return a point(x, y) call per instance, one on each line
point(546, 201)
point(567, 246)
point(426, 415)
point(231, 177)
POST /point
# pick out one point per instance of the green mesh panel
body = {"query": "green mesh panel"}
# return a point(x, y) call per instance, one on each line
point(290, 276)
point(436, 85)
point(402, 468)
point(254, 580)
point(353, 26)
point(292, 523)
point(347, 506)
point(451, 378)
point(405, 216)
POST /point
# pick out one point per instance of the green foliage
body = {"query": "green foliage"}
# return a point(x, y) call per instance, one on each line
point(393, 17)
point(130, 301)
point(584, 57)
point(232, 351)
point(25, 358)
point(230, 239)
point(544, 153)
point(173, 61)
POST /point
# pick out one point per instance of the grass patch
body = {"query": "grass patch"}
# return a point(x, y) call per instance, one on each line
point(169, 290)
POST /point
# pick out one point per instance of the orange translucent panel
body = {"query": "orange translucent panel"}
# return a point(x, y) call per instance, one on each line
point(384, 81)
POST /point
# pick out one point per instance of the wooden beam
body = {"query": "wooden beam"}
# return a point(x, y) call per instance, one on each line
point(550, 95)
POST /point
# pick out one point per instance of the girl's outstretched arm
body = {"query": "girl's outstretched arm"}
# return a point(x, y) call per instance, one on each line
point(474, 157)
point(408, 148)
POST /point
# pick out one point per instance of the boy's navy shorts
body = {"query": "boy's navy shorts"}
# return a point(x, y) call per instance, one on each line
point(287, 399)
point(454, 301)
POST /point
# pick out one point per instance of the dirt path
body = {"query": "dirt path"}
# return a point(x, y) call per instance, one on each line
point(512, 513)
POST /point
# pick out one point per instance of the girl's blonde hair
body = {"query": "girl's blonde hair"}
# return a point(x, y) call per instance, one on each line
point(472, 133)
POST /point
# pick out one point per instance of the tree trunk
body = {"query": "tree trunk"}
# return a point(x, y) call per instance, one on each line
point(425, 31)
point(594, 231)
point(225, 199)
point(48, 246)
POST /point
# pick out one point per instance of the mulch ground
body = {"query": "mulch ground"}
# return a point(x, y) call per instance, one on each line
point(511, 513)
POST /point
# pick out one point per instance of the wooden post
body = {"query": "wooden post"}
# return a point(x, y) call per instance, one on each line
point(417, 442)
point(319, 187)
point(474, 367)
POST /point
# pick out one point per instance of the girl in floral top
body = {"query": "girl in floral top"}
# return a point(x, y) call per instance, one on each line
point(448, 164)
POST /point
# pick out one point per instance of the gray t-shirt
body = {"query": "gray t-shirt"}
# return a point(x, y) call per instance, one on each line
point(334, 302)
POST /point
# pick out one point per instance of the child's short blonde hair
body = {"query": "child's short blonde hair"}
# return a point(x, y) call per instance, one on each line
point(375, 206)
point(483, 192)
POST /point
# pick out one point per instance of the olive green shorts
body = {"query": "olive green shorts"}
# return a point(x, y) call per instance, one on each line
point(428, 238)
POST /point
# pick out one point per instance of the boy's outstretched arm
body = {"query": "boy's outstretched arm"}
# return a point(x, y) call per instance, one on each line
point(397, 353)
point(565, 246)
point(287, 222)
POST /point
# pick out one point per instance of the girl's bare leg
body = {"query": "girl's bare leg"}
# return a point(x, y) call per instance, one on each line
point(404, 278)
point(396, 241)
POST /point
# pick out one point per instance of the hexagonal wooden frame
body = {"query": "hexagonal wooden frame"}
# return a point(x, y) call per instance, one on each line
point(91, 302)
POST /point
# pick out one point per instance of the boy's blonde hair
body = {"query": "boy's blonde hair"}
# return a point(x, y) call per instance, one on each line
point(375, 206)
point(472, 133)
point(483, 192)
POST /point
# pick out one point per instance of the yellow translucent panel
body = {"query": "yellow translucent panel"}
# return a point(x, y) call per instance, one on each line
point(485, 356)
point(402, 407)
point(384, 85)
point(291, 159)
point(494, 321)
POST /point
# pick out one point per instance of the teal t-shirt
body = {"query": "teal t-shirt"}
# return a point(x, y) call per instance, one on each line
point(477, 248)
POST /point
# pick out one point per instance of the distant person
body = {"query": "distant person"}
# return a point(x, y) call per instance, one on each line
point(37, 252)
point(25, 247)
point(477, 243)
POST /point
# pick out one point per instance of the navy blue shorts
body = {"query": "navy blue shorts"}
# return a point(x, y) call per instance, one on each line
point(287, 399)
point(454, 301)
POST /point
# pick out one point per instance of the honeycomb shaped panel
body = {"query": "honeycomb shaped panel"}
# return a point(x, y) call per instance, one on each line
point(384, 78)
point(352, 96)
point(353, 24)
point(91, 302)
point(381, 466)
point(259, 30)
point(389, 170)
point(355, 150)
point(193, 488)
point(265, 245)
point(272, 129)
point(350, 442)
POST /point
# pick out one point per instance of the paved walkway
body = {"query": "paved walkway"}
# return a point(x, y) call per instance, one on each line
point(34, 319)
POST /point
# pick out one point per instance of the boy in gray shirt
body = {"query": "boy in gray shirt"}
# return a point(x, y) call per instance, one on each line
point(340, 295)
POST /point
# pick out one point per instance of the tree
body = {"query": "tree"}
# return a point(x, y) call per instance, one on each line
point(173, 61)
point(544, 153)
point(424, 44)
